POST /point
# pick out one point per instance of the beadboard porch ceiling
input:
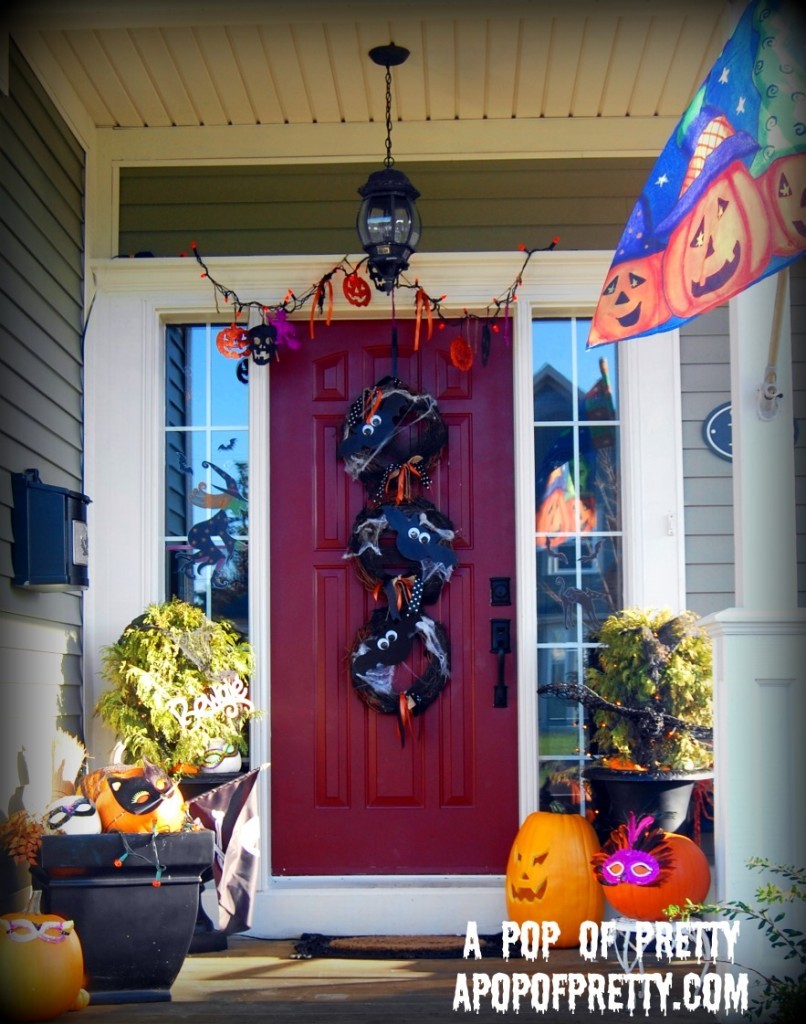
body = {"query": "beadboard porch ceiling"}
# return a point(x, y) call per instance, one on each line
point(613, 67)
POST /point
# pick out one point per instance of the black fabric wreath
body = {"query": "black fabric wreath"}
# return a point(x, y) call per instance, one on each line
point(391, 437)
point(374, 683)
point(379, 551)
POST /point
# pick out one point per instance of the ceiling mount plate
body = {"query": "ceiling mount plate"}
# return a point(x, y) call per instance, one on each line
point(389, 56)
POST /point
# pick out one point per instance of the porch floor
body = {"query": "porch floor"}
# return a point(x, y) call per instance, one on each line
point(259, 980)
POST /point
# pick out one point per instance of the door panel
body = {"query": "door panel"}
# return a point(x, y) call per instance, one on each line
point(347, 798)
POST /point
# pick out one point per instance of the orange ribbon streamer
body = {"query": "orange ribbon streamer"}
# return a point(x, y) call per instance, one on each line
point(403, 477)
point(422, 303)
point(404, 719)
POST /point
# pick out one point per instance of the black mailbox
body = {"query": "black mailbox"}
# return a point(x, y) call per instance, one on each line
point(51, 550)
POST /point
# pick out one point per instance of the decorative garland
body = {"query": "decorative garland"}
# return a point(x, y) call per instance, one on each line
point(372, 439)
point(264, 341)
point(423, 544)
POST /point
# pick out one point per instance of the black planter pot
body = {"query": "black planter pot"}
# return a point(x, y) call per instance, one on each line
point(135, 921)
point(666, 796)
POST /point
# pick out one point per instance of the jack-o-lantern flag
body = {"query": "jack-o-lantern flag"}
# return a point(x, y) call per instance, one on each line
point(724, 204)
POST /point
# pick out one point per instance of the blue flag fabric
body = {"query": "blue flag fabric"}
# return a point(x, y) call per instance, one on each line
point(724, 204)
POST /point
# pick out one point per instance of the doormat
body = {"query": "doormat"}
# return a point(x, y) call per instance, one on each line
point(391, 947)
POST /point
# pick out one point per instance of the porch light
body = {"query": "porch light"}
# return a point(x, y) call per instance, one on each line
point(388, 222)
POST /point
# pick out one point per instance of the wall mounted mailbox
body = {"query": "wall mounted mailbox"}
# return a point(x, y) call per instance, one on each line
point(51, 543)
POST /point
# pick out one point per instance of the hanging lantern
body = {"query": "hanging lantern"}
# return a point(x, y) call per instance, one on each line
point(388, 222)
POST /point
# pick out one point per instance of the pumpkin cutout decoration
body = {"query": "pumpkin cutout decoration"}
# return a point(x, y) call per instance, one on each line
point(785, 185)
point(356, 289)
point(643, 870)
point(41, 966)
point(548, 874)
point(631, 301)
point(232, 342)
point(135, 798)
point(720, 248)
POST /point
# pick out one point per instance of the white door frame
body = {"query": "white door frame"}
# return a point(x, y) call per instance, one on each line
point(124, 471)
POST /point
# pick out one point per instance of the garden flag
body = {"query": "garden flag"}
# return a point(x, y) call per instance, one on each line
point(724, 204)
point(230, 810)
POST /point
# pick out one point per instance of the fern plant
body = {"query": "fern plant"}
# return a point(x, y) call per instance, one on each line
point(179, 685)
point(657, 666)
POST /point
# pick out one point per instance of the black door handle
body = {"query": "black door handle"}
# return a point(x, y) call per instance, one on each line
point(500, 645)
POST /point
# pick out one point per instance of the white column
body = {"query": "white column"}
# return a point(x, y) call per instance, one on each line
point(760, 645)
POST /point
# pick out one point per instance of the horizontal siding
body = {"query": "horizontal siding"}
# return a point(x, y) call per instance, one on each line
point(41, 294)
point(465, 207)
point(708, 480)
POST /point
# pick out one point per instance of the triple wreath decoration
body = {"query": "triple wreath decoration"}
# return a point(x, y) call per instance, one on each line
point(402, 545)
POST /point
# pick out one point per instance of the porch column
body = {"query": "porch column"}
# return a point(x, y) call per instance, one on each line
point(760, 645)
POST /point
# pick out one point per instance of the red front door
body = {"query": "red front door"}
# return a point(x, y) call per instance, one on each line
point(347, 798)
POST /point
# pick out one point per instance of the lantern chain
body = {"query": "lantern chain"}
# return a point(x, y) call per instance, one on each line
point(389, 159)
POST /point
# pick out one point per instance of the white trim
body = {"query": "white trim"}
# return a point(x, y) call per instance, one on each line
point(134, 298)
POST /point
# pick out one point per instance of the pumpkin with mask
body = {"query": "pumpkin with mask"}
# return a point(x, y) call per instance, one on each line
point(548, 875)
point(720, 248)
point(41, 966)
point(643, 870)
point(135, 798)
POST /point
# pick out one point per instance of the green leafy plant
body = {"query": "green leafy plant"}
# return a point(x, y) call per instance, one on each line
point(179, 686)
point(781, 999)
point(654, 669)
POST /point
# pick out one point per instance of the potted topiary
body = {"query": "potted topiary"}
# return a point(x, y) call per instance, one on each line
point(180, 689)
point(649, 692)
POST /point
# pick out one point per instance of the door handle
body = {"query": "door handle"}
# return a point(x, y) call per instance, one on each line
point(500, 645)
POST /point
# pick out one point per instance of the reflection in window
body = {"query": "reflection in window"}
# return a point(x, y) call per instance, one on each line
point(578, 534)
point(206, 475)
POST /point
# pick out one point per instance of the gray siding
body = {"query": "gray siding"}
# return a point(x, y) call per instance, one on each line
point(708, 479)
point(466, 207)
point(41, 290)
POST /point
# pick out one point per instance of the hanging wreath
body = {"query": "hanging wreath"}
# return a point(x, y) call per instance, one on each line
point(392, 436)
point(395, 545)
point(383, 644)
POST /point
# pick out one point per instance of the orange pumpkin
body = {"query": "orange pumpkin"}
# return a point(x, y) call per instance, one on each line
point(720, 248)
point(689, 877)
point(632, 300)
point(548, 874)
point(135, 798)
point(785, 185)
point(356, 290)
point(41, 967)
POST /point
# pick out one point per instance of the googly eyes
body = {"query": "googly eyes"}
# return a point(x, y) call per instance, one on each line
point(386, 641)
point(420, 536)
point(369, 427)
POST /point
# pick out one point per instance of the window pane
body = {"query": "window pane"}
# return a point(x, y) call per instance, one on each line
point(578, 544)
point(206, 475)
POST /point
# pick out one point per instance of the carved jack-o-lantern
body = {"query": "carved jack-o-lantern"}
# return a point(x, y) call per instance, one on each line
point(720, 248)
point(135, 798)
point(41, 967)
point(785, 184)
point(632, 300)
point(548, 874)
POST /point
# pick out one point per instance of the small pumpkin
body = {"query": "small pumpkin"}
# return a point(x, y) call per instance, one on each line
point(548, 874)
point(643, 870)
point(135, 798)
point(41, 966)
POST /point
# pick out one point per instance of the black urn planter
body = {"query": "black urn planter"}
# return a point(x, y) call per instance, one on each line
point(134, 899)
point(666, 796)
